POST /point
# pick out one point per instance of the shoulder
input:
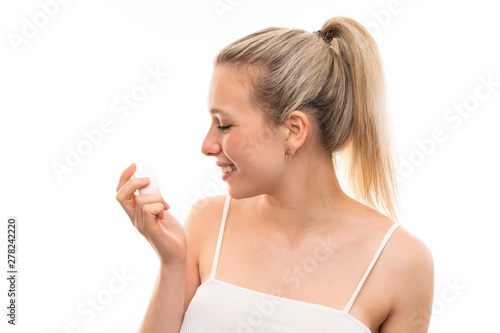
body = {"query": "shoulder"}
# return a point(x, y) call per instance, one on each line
point(203, 220)
point(408, 255)
point(405, 259)
point(201, 225)
point(410, 266)
point(204, 206)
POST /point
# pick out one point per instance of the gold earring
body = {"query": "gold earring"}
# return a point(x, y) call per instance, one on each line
point(289, 155)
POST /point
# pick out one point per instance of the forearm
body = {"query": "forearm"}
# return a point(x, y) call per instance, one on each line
point(166, 307)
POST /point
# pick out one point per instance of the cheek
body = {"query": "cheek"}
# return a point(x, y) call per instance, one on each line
point(258, 147)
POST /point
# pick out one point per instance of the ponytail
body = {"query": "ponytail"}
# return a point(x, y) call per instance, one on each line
point(340, 85)
point(368, 157)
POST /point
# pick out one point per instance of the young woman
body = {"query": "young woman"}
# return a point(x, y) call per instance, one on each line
point(286, 250)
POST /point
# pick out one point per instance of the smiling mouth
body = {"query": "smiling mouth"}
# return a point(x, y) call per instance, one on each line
point(227, 169)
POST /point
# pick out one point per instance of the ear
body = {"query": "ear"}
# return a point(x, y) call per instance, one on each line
point(295, 128)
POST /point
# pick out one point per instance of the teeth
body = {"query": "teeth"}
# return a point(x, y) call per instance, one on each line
point(227, 169)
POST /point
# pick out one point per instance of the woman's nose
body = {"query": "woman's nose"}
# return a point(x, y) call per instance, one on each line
point(210, 145)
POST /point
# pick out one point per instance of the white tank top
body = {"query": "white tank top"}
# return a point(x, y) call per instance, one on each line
point(220, 307)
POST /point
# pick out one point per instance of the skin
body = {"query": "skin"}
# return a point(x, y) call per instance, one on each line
point(281, 210)
point(148, 214)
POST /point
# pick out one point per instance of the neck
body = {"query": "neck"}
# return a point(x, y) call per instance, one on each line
point(308, 201)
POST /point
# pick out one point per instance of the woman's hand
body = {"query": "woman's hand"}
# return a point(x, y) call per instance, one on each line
point(148, 213)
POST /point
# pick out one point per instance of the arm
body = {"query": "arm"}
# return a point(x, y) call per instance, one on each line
point(194, 226)
point(413, 288)
point(165, 311)
point(176, 286)
point(149, 215)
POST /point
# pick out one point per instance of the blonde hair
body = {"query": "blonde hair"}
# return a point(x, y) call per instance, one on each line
point(334, 76)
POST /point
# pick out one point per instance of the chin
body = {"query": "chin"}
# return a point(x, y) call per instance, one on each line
point(239, 194)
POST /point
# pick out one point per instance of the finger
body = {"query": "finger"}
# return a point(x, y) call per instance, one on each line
point(151, 212)
point(125, 176)
point(128, 189)
point(141, 201)
point(150, 198)
point(161, 214)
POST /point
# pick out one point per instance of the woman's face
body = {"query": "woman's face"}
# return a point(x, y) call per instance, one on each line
point(245, 141)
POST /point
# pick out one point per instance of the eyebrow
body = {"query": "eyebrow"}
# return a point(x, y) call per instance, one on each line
point(216, 111)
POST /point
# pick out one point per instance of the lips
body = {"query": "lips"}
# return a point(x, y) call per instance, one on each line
point(226, 169)
point(225, 175)
point(221, 164)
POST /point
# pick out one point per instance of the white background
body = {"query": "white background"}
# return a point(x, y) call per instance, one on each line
point(67, 76)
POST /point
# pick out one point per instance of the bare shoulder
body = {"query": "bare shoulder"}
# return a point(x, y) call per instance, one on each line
point(410, 265)
point(201, 228)
point(203, 218)
point(204, 206)
point(408, 255)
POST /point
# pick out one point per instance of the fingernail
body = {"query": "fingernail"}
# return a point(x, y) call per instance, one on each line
point(130, 166)
point(145, 179)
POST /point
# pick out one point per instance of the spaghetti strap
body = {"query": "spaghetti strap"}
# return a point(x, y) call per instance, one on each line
point(219, 240)
point(375, 257)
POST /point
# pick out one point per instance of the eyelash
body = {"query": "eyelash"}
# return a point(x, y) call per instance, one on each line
point(223, 128)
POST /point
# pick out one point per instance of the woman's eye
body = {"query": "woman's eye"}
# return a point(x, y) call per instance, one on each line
point(223, 128)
